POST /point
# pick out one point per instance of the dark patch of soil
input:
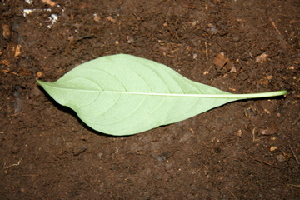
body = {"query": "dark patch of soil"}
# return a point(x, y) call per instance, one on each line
point(243, 150)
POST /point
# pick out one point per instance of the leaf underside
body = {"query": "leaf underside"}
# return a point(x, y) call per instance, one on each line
point(124, 95)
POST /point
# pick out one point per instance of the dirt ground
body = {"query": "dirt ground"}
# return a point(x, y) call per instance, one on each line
point(242, 150)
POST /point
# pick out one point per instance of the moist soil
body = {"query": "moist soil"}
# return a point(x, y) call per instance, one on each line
point(242, 150)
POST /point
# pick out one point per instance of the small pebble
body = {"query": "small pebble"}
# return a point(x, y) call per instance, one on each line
point(239, 133)
point(236, 38)
point(281, 158)
point(100, 155)
point(273, 148)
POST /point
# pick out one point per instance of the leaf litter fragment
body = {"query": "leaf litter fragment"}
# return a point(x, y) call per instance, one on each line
point(123, 95)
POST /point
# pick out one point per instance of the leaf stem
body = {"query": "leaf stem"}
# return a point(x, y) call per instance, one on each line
point(229, 95)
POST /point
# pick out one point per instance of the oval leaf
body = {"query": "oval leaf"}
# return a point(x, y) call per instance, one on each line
point(124, 95)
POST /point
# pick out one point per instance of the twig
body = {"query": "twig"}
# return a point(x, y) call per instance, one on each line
point(274, 26)
point(12, 165)
point(294, 185)
point(297, 119)
point(253, 135)
point(232, 193)
point(294, 155)
point(206, 51)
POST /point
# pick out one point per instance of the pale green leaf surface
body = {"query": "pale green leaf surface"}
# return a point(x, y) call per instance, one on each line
point(124, 95)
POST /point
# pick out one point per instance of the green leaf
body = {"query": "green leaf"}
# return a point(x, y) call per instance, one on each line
point(124, 95)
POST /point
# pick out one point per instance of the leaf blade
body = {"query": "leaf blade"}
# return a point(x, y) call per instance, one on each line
point(124, 95)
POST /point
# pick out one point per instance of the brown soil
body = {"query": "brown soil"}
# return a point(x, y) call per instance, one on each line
point(242, 150)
